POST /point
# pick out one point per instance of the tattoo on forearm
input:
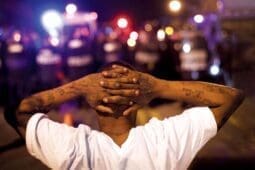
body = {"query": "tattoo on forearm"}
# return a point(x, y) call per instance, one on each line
point(50, 98)
point(61, 91)
point(198, 95)
point(218, 89)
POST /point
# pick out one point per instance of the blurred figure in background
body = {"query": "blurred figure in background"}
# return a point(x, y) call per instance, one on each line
point(113, 48)
point(79, 59)
point(20, 64)
point(49, 62)
point(147, 52)
point(3, 70)
point(194, 55)
point(227, 49)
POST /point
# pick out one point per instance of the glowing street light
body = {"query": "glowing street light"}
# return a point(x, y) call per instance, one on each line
point(134, 35)
point(198, 18)
point(214, 70)
point(71, 9)
point(16, 36)
point(131, 42)
point(186, 47)
point(161, 35)
point(122, 22)
point(54, 41)
point(52, 19)
point(169, 30)
point(175, 5)
point(52, 22)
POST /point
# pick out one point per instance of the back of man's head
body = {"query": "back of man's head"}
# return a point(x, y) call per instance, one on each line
point(118, 109)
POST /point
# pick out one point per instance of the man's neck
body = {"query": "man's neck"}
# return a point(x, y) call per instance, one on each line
point(117, 128)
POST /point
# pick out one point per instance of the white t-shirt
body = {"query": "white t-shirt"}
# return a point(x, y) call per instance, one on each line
point(168, 144)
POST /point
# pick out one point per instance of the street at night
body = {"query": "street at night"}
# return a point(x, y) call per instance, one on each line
point(46, 45)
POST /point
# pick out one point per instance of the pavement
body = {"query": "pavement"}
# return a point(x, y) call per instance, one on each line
point(232, 148)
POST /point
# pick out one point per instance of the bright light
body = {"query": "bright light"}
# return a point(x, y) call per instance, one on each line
point(15, 48)
point(111, 47)
point(198, 18)
point(133, 35)
point(71, 9)
point(54, 41)
point(53, 32)
point(93, 15)
point(175, 5)
point(161, 35)
point(169, 30)
point(16, 36)
point(214, 70)
point(131, 42)
point(74, 44)
point(52, 19)
point(148, 27)
point(186, 47)
point(122, 22)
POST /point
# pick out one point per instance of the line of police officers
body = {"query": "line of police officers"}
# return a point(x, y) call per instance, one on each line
point(25, 68)
point(29, 64)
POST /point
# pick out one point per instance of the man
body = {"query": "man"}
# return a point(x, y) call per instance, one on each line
point(116, 94)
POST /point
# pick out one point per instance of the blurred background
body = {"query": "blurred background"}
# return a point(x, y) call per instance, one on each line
point(44, 44)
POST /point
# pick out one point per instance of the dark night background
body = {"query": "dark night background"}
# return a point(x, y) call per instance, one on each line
point(30, 10)
point(234, 145)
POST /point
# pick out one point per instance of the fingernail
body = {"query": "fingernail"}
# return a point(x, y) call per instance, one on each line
point(137, 92)
point(114, 66)
point(105, 100)
point(125, 69)
point(131, 103)
point(101, 83)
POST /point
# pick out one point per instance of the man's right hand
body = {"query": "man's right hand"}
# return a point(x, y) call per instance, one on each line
point(145, 92)
point(91, 88)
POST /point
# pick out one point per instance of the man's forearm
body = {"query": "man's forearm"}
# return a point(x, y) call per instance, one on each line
point(42, 102)
point(222, 100)
point(46, 100)
point(196, 93)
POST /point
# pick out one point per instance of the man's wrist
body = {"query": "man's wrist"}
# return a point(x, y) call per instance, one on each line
point(157, 88)
point(161, 88)
point(80, 87)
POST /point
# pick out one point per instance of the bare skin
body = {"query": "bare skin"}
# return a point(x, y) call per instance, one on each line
point(118, 93)
point(222, 100)
point(87, 87)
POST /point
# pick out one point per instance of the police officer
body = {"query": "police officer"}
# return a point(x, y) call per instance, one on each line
point(3, 70)
point(79, 60)
point(49, 63)
point(147, 52)
point(19, 64)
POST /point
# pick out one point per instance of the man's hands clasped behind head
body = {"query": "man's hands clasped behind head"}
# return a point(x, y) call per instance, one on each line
point(102, 92)
point(128, 87)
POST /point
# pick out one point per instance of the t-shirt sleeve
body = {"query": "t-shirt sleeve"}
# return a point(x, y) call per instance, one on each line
point(186, 133)
point(56, 145)
point(182, 135)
